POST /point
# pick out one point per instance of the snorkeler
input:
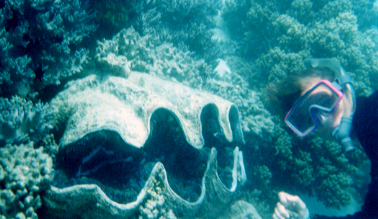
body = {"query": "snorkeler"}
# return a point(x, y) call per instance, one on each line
point(322, 97)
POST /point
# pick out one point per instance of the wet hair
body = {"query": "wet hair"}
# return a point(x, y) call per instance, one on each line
point(281, 96)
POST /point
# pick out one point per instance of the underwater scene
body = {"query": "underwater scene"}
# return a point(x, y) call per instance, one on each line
point(159, 108)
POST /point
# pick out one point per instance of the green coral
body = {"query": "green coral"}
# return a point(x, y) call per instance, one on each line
point(42, 44)
point(25, 173)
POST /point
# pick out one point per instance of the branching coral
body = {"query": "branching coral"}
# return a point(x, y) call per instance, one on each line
point(335, 175)
point(128, 51)
point(318, 167)
point(25, 173)
point(313, 166)
point(112, 16)
point(278, 36)
point(40, 43)
point(185, 23)
point(233, 87)
point(21, 120)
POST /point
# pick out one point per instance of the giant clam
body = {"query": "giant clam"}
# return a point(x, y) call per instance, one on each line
point(145, 146)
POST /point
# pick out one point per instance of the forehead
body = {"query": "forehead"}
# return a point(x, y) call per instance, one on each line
point(308, 82)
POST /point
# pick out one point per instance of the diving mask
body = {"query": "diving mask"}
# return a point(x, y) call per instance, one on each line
point(314, 107)
point(342, 132)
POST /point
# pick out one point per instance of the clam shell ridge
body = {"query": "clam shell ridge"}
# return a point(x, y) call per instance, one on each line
point(125, 105)
point(91, 202)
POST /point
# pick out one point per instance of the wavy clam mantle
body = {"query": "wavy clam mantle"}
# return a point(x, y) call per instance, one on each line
point(137, 134)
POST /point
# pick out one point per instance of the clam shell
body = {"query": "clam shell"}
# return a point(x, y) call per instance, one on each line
point(89, 201)
point(126, 106)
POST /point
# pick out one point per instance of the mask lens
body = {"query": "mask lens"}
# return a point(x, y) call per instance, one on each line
point(302, 116)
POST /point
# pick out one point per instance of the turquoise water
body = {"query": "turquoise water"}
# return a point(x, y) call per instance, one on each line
point(231, 49)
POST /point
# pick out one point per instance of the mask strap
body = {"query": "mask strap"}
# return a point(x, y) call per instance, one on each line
point(345, 79)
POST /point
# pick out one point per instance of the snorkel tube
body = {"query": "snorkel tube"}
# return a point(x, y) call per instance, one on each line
point(342, 132)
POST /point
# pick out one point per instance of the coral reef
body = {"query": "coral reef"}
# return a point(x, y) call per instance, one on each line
point(25, 173)
point(112, 16)
point(260, 200)
point(233, 87)
point(335, 175)
point(291, 31)
point(315, 166)
point(274, 38)
point(185, 23)
point(41, 43)
point(22, 121)
point(128, 51)
point(241, 209)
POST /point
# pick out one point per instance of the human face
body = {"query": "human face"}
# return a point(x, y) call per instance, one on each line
point(328, 121)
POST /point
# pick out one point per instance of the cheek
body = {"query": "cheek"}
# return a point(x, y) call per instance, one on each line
point(338, 114)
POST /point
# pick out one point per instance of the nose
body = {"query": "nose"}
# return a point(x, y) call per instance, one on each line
point(322, 116)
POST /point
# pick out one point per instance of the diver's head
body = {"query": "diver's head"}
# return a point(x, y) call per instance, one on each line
point(282, 95)
point(319, 108)
point(317, 99)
